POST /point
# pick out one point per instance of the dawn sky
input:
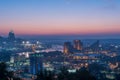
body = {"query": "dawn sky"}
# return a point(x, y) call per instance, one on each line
point(59, 17)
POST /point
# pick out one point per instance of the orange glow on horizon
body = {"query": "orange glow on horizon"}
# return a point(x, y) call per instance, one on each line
point(61, 28)
point(61, 31)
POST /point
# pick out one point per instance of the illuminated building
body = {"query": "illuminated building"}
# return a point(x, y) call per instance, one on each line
point(11, 35)
point(33, 48)
point(86, 57)
point(67, 48)
point(78, 44)
point(78, 56)
point(35, 63)
point(12, 59)
point(113, 65)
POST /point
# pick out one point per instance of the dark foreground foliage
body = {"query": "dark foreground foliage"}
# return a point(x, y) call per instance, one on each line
point(5, 74)
point(82, 74)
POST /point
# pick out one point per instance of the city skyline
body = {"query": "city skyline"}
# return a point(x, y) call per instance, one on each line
point(60, 17)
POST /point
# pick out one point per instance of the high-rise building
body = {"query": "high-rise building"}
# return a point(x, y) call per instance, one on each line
point(67, 48)
point(36, 63)
point(78, 44)
point(11, 35)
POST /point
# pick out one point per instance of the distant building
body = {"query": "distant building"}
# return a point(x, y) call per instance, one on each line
point(36, 63)
point(11, 36)
point(89, 58)
point(68, 48)
point(78, 44)
point(81, 56)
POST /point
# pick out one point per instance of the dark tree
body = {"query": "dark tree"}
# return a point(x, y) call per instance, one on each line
point(5, 74)
point(3, 71)
point(82, 74)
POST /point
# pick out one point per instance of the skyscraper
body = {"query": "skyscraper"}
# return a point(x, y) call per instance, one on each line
point(11, 35)
point(78, 44)
point(35, 63)
point(67, 48)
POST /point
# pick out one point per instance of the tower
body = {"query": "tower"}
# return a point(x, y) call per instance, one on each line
point(11, 35)
point(35, 63)
point(78, 44)
point(67, 48)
